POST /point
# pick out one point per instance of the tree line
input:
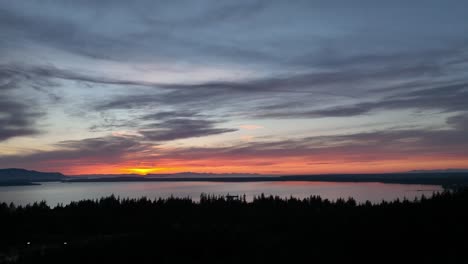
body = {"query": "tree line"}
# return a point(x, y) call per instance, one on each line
point(221, 229)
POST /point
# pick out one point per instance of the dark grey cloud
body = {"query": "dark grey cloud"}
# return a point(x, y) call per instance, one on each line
point(449, 98)
point(18, 116)
point(51, 72)
point(89, 151)
point(111, 146)
point(254, 32)
point(16, 119)
point(107, 122)
point(181, 128)
point(166, 125)
point(89, 29)
point(8, 79)
point(460, 122)
point(293, 89)
point(165, 115)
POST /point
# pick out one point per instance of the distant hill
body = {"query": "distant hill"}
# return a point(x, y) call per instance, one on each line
point(15, 176)
point(438, 171)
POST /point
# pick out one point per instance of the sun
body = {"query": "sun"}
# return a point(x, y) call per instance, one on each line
point(147, 170)
point(142, 171)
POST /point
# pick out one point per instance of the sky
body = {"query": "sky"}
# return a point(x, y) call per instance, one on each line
point(270, 87)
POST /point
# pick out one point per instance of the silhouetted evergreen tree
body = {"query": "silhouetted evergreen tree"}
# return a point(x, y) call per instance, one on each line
point(219, 230)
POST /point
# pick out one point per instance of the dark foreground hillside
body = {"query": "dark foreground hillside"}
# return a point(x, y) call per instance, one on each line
point(268, 230)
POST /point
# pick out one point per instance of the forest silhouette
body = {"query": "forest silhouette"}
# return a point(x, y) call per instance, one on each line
point(220, 229)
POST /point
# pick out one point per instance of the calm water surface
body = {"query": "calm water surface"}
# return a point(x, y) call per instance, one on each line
point(57, 192)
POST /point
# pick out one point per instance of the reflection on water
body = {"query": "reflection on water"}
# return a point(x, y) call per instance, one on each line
point(56, 192)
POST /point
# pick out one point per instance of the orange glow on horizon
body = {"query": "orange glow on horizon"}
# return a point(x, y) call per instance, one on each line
point(141, 171)
point(272, 166)
point(145, 171)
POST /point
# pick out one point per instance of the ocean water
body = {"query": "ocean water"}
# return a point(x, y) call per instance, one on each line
point(57, 192)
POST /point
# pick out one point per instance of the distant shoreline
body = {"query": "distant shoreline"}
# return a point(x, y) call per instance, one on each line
point(445, 179)
point(8, 184)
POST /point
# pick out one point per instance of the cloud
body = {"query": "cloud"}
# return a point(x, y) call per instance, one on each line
point(460, 122)
point(250, 127)
point(181, 128)
point(358, 147)
point(105, 149)
point(18, 116)
point(108, 61)
point(247, 138)
point(165, 115)
point(16, 119)
point(85, 152)
point(376, 146)
point(125, 31)
point(449, 98)
point(276, 96)
point(294, 95)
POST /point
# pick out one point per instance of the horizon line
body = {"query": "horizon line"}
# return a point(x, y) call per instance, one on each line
point(447, 170)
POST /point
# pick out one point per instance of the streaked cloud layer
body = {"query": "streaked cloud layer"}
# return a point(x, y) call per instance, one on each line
point(233, 86)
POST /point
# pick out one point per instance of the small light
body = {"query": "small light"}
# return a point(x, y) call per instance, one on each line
point(28, 243)
point(65, 243)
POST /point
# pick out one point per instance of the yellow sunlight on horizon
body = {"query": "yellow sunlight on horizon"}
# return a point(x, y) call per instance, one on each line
point(143, 171)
